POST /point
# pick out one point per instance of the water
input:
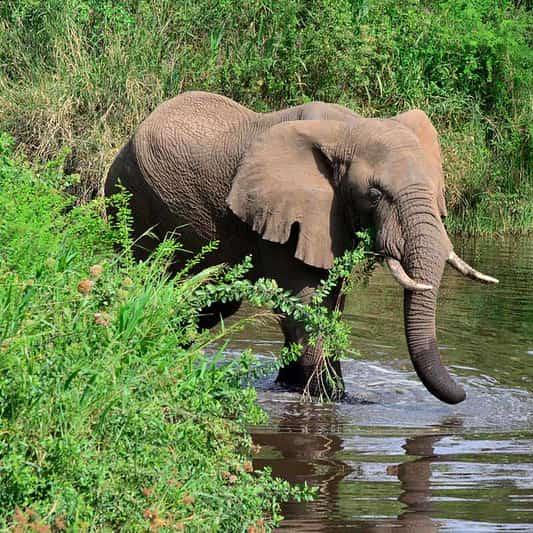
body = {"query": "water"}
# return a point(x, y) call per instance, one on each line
point(392, 457)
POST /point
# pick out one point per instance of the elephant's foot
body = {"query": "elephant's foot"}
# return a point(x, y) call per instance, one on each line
point(318, 381)
point(212, 315)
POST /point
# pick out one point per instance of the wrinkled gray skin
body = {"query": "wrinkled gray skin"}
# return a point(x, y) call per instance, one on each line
point(291, 188)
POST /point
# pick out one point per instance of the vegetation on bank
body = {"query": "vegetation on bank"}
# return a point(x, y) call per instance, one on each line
point(111, 414)
point(83, 73)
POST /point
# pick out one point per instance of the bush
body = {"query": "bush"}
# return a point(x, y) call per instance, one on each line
point(111, 414)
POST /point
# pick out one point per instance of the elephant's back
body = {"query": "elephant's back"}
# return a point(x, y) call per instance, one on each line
point(197, 116)
point(192, 127)
point(188, 150)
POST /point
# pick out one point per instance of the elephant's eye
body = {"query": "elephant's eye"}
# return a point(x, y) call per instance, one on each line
point(374, 195)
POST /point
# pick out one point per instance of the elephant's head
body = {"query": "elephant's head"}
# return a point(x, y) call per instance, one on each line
point(331, 178)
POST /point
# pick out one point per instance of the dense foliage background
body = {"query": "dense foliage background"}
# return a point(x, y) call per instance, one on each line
point(82, 74)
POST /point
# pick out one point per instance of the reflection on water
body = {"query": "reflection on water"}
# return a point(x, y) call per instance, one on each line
point(372, 478)
point(392, 457)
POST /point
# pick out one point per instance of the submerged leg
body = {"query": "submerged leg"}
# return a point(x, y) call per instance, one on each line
point(213, 314)
point(311, 373)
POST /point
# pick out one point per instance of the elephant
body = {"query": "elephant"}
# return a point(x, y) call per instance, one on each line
point(291, 188)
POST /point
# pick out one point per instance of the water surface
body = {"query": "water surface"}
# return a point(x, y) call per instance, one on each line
point(392, 457)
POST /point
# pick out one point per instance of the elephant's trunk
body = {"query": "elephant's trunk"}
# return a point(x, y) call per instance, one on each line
point(425, 255)
point(422, 343)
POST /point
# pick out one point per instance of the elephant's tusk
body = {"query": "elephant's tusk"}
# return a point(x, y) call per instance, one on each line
point(399, 274)
point(456, 262)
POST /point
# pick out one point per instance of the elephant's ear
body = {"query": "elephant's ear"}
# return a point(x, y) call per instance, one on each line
point(288, 177)
point(418, 122)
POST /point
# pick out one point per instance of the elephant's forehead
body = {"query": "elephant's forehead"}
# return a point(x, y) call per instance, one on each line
point(395, 133)
point(384, 142)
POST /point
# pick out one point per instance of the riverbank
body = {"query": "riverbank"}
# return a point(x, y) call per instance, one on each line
point(112, 416)
point(81, 75)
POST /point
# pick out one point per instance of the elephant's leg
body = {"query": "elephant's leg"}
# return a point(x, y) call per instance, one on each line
point(212, 315)
point(311, 372)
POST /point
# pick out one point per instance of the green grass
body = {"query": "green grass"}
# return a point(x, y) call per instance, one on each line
point(111, 414)
point(82, 74)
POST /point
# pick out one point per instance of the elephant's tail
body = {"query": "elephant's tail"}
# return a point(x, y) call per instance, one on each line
point(125, 174)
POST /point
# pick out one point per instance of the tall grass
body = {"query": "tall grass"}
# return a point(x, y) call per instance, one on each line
point(84, 73)
point(111, 416)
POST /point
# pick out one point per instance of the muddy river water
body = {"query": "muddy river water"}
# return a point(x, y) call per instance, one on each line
point(392, 457)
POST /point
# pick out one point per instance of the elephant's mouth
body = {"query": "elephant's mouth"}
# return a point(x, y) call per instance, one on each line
point(398, 272)
point(400, 275)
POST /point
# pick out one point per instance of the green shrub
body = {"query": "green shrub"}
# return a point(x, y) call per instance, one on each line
point(111, 414)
